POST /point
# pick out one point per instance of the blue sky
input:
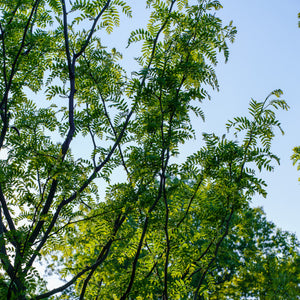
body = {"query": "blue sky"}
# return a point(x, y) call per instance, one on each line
point(264, 57)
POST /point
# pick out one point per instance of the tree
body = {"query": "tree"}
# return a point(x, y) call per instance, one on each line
point(262, 262)
point(163, 228)
point(214, 236)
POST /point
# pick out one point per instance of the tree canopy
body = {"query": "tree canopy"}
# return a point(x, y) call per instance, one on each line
point(168, 228)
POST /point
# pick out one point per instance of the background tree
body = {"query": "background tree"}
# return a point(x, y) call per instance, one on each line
point(160, 232)
point(262, 262)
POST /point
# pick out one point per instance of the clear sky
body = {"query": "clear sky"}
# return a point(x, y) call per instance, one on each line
point(264, 57)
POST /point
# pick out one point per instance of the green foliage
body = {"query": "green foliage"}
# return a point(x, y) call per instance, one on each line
point(296, 157)
point(262, 261)
point(165, 229)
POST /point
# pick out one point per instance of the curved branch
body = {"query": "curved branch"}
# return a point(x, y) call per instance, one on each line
point(102, 256)
point(215, 254)
point(92, 29)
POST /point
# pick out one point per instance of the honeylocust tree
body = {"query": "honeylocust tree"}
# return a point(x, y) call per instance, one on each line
point(201, 237)
point(159, 231)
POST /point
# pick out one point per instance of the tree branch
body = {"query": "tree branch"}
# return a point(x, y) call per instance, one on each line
point(4, 56)
point(190, 202)
point(110, 122)
point(102, 256)
point(6, 212)
point(14, 64)
point(92, 29)
point(215, 254)
point(4, 257)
